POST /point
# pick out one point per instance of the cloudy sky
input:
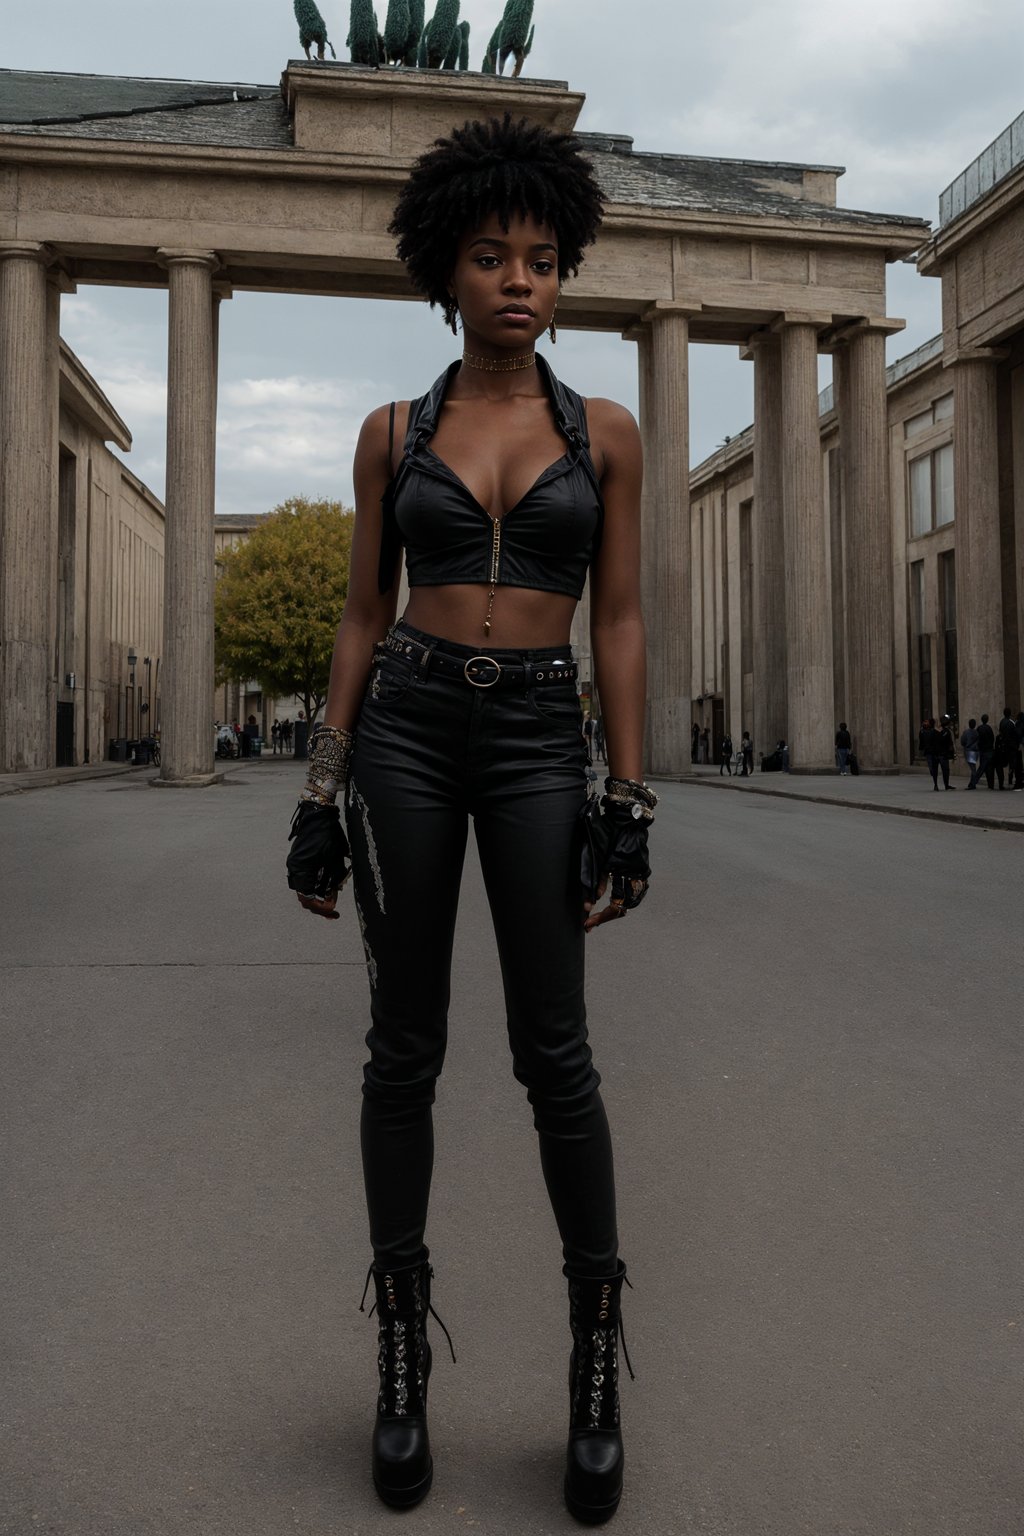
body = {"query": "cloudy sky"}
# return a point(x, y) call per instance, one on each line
point(903, 93)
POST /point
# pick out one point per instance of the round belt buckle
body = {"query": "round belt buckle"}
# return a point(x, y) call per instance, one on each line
point(491, 663)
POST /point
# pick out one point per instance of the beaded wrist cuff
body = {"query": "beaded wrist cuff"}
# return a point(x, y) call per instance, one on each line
point(631, 792)
point(330, 752)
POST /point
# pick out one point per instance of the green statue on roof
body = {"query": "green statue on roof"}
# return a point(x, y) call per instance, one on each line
point(512, 38)
point(312, 28)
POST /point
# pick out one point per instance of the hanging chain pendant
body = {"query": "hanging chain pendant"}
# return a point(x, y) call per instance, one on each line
point(495, 556)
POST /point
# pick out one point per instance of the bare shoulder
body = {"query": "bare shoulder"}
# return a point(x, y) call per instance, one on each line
point(614, 435)
point(377, 436)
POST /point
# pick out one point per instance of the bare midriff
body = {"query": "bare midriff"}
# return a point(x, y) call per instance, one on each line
point(521, 618)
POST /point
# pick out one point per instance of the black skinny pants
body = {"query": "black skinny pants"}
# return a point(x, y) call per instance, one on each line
point(431, 751)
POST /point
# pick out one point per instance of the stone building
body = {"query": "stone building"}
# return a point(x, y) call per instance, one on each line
point(202, 187)
point(92, 570)
point(953, 540)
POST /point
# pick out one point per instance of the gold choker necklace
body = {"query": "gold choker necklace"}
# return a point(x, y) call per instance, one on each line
point(500, 364)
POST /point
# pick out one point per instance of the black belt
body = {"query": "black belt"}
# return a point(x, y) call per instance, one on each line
point(480, 671)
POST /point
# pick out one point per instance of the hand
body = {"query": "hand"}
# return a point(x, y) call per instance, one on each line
point(323, 905)
point(596, 916)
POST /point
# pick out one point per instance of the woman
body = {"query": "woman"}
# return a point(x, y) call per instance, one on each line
point(504, 487)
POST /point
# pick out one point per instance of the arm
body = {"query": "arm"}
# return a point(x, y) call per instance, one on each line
point(617, 638)
point(616, 622)
point(368, 613)
point(317, 864)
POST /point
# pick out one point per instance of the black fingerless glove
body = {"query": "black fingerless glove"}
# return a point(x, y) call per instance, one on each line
point(627, 857)
point(319, 860)
point(614, 843)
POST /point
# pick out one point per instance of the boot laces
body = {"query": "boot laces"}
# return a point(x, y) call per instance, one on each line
point(430, 1309)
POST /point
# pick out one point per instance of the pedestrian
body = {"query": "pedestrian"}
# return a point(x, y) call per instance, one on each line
point(705, 745)
point(969, 742)
point(986, 752)
point(1011, 748)
point(844, 746)
point(489, 222)
point(923, 734)
point(784, 755)
point(694, 742)
point(1019, 759)
point(588, 737)
point(286, 732)
point(275, 738)
point(725, 766)
point(599, 739)
point(747, 748)
point(939, 750)
point(250, 735)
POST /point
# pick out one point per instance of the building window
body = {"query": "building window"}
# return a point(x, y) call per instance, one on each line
point(947, 593)
point(939, 410)
point(931, 491)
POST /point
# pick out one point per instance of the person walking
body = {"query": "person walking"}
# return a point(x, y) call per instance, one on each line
point(694, 742)
point(275, 738)
point(725, 766)
point(969, 742)
point(747, 748)
point(466, 710)
point(986, 751)
point(844, 746)
point(588, 737)
point(599, 739)
point(705, 745)
point(1011, 748)
point(939, 751)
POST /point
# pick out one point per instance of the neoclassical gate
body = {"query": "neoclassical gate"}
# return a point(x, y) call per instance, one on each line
point(242, 188)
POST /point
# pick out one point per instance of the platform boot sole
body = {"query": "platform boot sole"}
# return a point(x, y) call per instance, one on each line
point(590, 1514)
point(405, 1498)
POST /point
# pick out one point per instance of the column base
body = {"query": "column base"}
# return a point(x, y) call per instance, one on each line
point(191, 781)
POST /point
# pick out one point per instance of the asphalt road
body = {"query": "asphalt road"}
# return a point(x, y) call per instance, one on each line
point(810, 1040)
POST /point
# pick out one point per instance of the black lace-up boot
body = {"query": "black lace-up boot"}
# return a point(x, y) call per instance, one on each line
point(402, 1466)
point(593, 1476)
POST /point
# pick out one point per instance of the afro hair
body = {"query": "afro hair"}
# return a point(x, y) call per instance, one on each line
point(495, 167)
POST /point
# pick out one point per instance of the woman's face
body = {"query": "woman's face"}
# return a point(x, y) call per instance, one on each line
point(505, 283)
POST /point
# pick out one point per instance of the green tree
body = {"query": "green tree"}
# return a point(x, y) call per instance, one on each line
point(396, 31)
point(490, 64)
point(417, 10)
point(362, 34)
point(515, 34)
point(442, 24)
point(312, 28)
point(451, 58)
point(278, 599)
point(464, 45)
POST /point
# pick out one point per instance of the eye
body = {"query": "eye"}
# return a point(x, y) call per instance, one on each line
point(489, 261)
point(544, 267)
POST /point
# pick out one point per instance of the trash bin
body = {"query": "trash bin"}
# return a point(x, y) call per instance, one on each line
point(140, 750)
point(300, 735)
point(256, 746)
point(118, 751)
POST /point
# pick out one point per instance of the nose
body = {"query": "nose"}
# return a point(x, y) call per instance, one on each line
point(517, 278)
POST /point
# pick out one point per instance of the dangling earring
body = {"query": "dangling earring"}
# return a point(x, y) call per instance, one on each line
point(451, 309)
point(553, 331)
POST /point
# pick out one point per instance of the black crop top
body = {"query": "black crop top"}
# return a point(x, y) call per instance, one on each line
point(546, 541)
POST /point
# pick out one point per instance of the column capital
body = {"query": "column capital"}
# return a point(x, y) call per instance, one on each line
point(667, 309)
point(864, 325)
point(175, 256)
point(789, 318)
point(26, 250)
point(757, 341)
point(977, 355)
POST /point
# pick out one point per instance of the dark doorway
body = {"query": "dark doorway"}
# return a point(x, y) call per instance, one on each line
point(717, 729)
point(65, 735)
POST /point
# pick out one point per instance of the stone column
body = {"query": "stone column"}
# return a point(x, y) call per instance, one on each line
point(808, 620)
point(186, 746)
point(26, 508)
point(979, 605)
point(668, 540)
point(768, 642)
point(863, 434)
point(641, 334)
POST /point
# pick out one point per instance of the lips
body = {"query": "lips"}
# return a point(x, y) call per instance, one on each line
point(517, 309)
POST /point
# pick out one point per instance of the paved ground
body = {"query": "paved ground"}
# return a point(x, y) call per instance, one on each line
point(811, 1043)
